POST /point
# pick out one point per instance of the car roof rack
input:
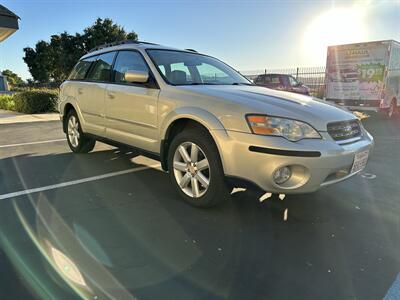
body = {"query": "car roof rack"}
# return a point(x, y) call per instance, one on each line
point(124, 42)
point(191, 50)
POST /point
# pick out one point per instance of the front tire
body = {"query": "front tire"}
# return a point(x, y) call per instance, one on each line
point(195, 169)
point(78, 142)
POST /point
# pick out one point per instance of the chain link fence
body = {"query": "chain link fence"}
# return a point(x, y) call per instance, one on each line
point(313, 77)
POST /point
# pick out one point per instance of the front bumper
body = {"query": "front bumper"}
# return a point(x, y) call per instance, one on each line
point(316, 163)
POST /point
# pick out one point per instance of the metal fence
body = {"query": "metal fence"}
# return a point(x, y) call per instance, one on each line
point(313, 77)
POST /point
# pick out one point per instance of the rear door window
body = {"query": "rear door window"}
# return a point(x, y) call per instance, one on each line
point(81, 68)
point(273, 80)
point(102, 69)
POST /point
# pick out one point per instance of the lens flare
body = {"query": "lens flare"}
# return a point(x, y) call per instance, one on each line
point(334, 27)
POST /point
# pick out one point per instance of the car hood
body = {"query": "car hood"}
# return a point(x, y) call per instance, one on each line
point(254, 99)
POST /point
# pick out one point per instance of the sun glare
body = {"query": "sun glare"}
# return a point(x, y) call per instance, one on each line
point(336, 26)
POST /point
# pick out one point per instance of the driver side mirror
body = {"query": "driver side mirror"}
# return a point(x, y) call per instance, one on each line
point(136, 76)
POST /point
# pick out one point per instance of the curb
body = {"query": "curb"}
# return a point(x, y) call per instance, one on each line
point(10, 117)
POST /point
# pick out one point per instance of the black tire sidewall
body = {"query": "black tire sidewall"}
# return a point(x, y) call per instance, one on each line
point(85, 145)
point(217, 190)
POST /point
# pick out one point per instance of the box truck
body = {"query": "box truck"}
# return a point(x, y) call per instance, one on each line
point(364, 76)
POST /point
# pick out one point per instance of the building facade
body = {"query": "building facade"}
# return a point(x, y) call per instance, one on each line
point(3, 83)
point(8, 25)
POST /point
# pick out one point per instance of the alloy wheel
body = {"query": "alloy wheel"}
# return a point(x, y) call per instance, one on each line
point(73, 131)
point(191, 169)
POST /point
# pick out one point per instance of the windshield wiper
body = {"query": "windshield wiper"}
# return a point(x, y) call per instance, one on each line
point(208, 83)
point(242, 83)
point(198, 83)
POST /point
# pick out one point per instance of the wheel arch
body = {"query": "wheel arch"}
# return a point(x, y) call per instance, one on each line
point(67, 107)
point(182, 119)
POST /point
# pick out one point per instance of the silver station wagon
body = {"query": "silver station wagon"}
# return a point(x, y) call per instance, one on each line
point(209, 126)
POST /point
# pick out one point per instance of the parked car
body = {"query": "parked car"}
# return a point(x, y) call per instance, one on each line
point(210, 127)
point(282, 82)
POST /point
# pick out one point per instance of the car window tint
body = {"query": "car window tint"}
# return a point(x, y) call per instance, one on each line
point(180, 67)
point(260, 79)
point(162, 69)
point(292, 81)
point(128, 61)
point(81, 68)
point(187, 68)
point(102, 68)
point(211, 74)
point(272, 79)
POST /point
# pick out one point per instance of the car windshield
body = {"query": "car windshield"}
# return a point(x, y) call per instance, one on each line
point(185, 68)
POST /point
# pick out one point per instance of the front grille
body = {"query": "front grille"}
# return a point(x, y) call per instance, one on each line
point(345, 130)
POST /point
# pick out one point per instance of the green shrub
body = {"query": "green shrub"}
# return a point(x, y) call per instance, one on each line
point(36, 101)
point(7, 102)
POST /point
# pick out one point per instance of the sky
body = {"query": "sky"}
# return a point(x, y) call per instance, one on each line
point(249, 35)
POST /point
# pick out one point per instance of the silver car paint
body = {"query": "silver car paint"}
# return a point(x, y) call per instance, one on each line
point(141, 117)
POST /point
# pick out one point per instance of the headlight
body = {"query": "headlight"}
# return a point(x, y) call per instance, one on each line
point(290, 129)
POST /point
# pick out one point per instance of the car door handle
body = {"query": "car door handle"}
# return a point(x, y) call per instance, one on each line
point(80, 91)
point(111, 95)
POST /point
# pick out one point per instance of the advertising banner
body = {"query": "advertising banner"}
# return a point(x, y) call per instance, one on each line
point(356, 72)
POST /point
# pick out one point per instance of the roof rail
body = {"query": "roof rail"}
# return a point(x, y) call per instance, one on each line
point(191, 50)
point(119, 43)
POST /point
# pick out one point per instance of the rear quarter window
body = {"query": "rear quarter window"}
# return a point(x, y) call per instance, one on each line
point(273, 79)
point(81, 68)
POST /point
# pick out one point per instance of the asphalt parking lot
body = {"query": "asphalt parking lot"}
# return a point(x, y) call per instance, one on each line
point(110, 224)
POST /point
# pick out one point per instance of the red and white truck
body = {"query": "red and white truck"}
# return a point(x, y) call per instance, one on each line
point(364, 76)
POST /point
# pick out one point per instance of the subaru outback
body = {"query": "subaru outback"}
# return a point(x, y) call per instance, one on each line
point(208, 125)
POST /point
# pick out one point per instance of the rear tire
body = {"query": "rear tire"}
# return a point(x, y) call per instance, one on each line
point(78, 142)
point(195, 169)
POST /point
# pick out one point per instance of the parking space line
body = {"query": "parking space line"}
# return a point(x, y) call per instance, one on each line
point(31, 143)
point(394, 291)
point(74, 182)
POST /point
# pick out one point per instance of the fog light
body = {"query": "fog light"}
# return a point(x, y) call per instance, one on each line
point(282, 175)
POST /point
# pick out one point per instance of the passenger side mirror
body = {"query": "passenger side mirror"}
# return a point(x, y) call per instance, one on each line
point(136, 76)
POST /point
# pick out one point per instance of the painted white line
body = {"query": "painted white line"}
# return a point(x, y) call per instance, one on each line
point(368, 175)
point(264, 197)
point(394, 291)
point(74, 182)
point(31, 143)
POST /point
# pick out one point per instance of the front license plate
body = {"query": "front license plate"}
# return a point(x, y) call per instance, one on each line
point(360, 161)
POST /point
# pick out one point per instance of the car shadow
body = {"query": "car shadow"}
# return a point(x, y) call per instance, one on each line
point(131, 235)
